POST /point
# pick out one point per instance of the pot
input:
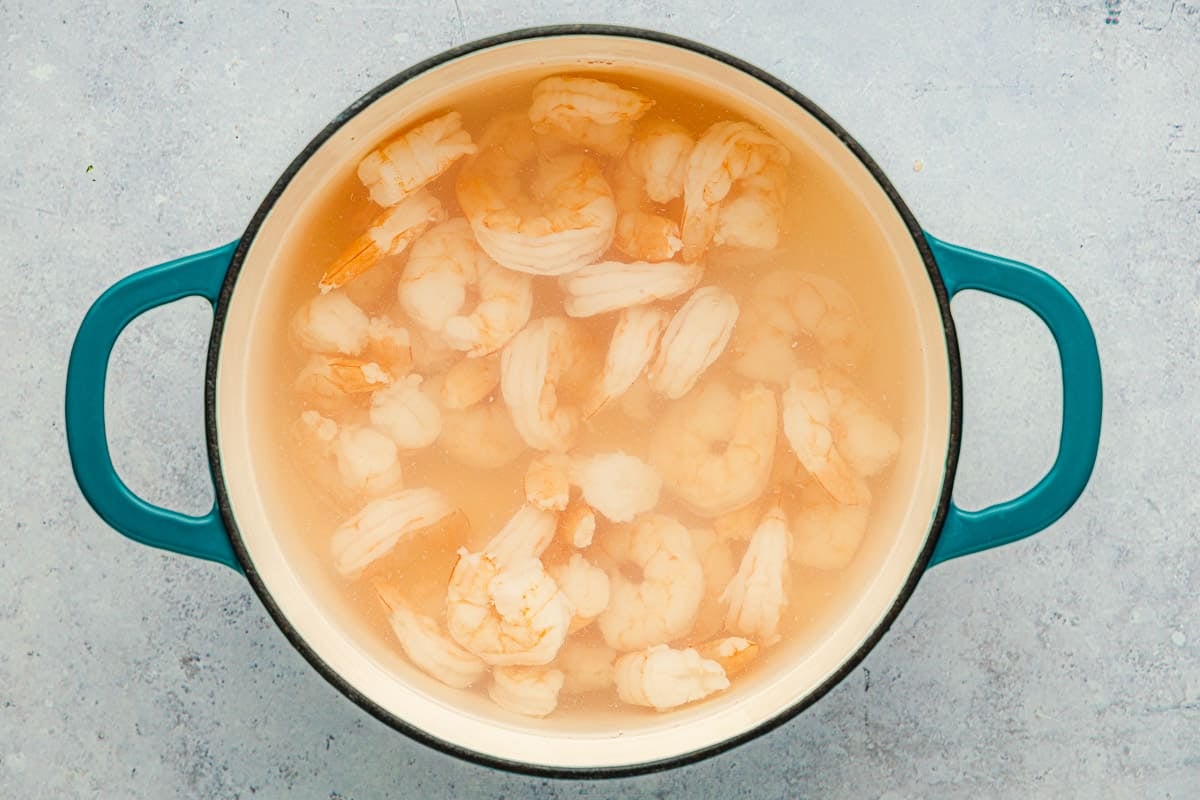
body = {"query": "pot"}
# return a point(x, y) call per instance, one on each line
point(240, 530)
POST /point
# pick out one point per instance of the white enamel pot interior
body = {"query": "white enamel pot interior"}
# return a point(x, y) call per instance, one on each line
point(259, 509)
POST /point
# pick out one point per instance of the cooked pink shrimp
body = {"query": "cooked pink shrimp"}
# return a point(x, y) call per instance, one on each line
point(664, 678)
point(613, 285)
point(390, 234)
point(331, 323)
point(443, 266)
point(728, 154)
point(470, 381)
point(530, 368)
point(562, 221)
point(695, 338)
point(634, 343)
point(525, 536)
point(757, 594)
point(827, 534)
point(583, 111)
point(330, 382)
point(808, 414)
point(585, 585)
point(653, 168)
point(733, 653)
point(532, 691)
point(425, 644)
point(405, 163)
point(375, 530)
point(661, 606)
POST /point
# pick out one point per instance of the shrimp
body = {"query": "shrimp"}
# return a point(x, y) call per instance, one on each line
point(444, 264)
point(613, 285)
point(654, 168)
point(662, 606)
point(389, 344)
point(695, 338)
point(789, 313)
point(367, 461)
point(405, 163)
point(548, 482)
point(406, 413)
point(331, 323)
point(530, 368)
point(757, 594)
point(867, 441)
point(425, 644)
point(470, 381)
point(586, 586)
point(525, 536)
point(733, 653)
point(632, 348)
point(808, 411)
point(751, 213)
point(587, 666)
point(664, 678)
point(827, 535)
point(390, 234)
point(513, 615)
point(618, 485)
point(563, 221)
point(532, 691)
point(329, 382)
point(374, 531)
point(593, 114)
point(577, 524)
point(714, 449)
point(726, 155)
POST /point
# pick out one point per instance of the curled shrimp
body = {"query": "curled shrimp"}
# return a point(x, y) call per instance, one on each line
point(531, 367)
point(548, 481)
point(561, 221)
point(866, 439)
point(653, 168)
point(757, 594)
point(751, 214)
point(332, 323)
point(389, 344)
point(662, 605)
point(469, 382)
point(808, 423)
point(618, 485)
point(790, 315)
point(525, 536)
point(634, 343)
point(694, 339)
point(614, 285)
point(532, 691)
point(663, 678)
point(577, 523)
point(406, 413)
point(597, 115)
point(586, 586)
point(414, 158)
point(426, 645)
point(329, 382)
point(727, 154)
point(714, 449)
point(507, 616)
point(374, 531)
point(389, 234)
point(444, 264)
point(587, 666)
point(826, 534)
point(367, 461)
point(481, 436)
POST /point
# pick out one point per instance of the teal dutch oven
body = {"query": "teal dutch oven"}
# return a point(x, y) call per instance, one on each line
point(242, 531)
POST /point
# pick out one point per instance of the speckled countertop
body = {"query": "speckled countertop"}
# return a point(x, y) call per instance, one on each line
point(1065, 134)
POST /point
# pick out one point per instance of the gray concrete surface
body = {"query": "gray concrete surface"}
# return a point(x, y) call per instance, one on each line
point(1067, 665)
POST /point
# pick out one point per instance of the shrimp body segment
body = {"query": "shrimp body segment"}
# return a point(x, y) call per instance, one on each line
point(563, 220)
point(507, 616)
point(714, 449)
point(426, 645)
point(614, 285)
point(594, 114)
point(695, 338)
point(757, 594)
point(634, 343)
point(663, 678)
point(585, 585)
point(374, 531)
point(808, 415)
point(530, 368)
point(411, 160)
point(662, 606)
point(618, 485)
point(390, 234)
point(444, 264)
point(332, 323)
point(726, 155)
point(532, 691)
point(406, 413)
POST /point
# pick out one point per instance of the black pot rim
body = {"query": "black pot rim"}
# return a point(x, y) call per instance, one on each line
point(397, 723)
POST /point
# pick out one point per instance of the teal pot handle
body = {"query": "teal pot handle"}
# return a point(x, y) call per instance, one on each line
point(967, 532)
point(204, 536)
